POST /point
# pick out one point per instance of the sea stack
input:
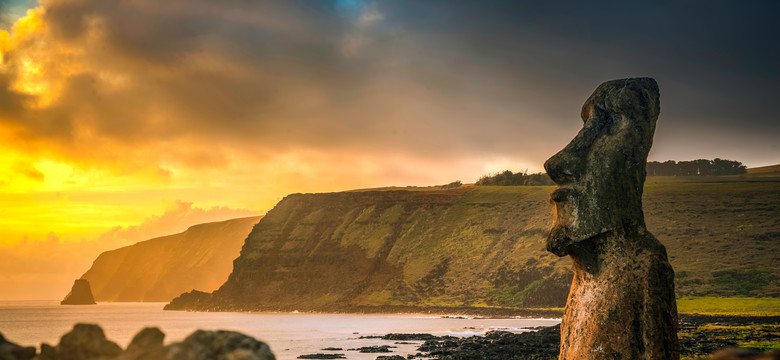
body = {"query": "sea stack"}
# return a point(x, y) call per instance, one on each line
point(80, 294)
point(621, 304)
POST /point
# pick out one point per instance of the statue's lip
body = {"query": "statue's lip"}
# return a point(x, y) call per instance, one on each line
point(562, 194)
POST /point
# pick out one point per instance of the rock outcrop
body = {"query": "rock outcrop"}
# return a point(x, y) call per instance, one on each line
point(622, 303)
point(88, 342)
point(80, 294)
point(162, 268)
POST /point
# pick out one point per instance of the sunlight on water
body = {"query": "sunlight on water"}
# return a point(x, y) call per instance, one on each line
point(288, 334)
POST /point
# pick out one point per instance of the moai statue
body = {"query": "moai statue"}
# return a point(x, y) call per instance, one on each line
point(621, 303)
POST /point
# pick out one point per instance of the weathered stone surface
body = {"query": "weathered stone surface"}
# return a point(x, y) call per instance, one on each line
point(220, 345)
point(85, 341)
point(11, 351)
point(80, 294)
point(621, 303)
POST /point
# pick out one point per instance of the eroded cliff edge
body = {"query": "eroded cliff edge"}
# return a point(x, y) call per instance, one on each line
point(351, 251)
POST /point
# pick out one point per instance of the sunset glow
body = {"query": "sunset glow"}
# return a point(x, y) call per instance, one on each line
point(123, 114)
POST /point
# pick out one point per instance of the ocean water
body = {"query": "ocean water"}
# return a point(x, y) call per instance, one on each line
point(288, 334)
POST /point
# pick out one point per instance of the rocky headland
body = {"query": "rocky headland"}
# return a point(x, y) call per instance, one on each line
point(88, 342)
point(162, 268)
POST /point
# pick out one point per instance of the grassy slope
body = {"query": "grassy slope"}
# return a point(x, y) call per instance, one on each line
point(729, 306)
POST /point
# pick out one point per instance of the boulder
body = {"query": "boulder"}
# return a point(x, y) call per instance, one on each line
point(80, 294)
point(147, 344)
point(11, 351)
point(219, 345)
point(84, 342)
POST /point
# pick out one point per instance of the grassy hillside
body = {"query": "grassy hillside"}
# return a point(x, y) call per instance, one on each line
point(162, 268)
point(481, 246)
point(772, 170)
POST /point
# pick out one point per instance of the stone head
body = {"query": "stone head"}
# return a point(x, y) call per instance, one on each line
point(601, 172)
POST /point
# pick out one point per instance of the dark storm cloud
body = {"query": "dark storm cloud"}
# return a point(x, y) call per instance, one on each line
point(436, 78)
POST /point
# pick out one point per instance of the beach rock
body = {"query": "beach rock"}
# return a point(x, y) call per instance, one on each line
point(322, 356)
point(621, 304)
point(390, 357)
point(11, 351)
point(84, 342)
point(496, 345)
point(406, 337)
point(221, 345)
point(80, 294)
point(373, 349)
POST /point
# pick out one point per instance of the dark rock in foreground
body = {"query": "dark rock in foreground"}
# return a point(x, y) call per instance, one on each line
point(85, 341)
point(11, 351)
point(390, 357)
point(322, 356)
point(407, 337)
point(497, 345)
point(374, 349)
point(88, 342)
point(80, 294)
point(219, 345)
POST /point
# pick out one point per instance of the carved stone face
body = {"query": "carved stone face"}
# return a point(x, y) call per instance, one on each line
point(600, 174)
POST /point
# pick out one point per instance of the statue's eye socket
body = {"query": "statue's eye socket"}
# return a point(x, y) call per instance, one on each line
point(614, 124)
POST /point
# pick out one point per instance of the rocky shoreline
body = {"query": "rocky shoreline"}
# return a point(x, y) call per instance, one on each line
point(701, 337)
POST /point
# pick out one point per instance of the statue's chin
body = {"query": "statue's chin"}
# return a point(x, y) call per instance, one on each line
point(558, 242)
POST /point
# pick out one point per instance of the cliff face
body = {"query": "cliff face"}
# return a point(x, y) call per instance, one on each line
point(476, 246)
point(162, 268)
point(459, 247)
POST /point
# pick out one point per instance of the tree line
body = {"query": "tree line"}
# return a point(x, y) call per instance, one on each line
point(699, 167)
point(508, 178)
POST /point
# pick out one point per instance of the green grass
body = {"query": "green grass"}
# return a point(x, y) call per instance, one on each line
point(711, 305)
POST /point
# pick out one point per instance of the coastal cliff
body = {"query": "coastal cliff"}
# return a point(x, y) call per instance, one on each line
point(162, 268)
point(477, 246)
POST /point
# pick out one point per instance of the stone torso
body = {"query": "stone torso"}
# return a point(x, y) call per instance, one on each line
point(613, 309)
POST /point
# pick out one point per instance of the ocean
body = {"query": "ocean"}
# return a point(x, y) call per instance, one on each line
point(288, 334)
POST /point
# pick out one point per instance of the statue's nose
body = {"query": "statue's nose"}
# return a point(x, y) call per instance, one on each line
point(564, 167)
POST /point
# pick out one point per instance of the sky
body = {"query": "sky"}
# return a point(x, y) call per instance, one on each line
point(123, 120)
